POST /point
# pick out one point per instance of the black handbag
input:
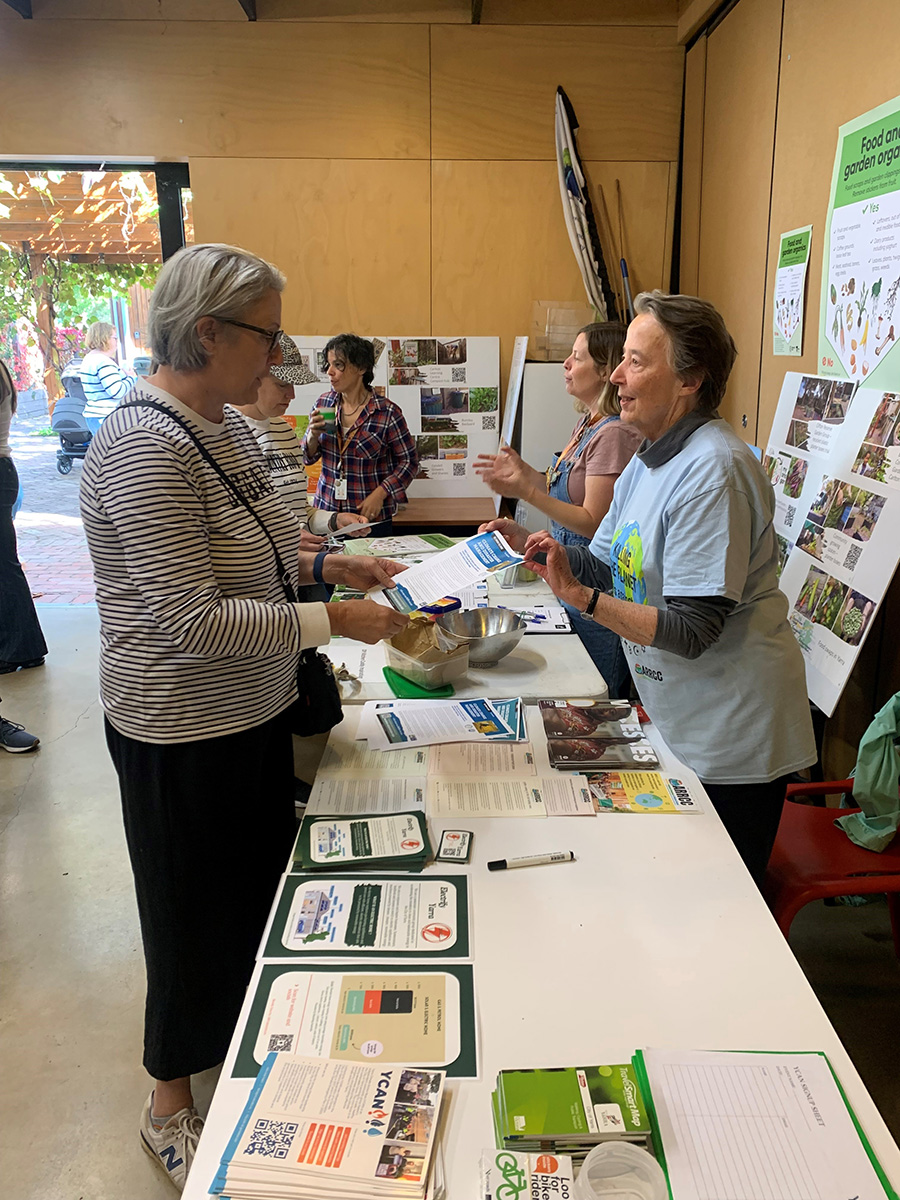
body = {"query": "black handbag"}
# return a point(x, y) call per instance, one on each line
point(318, 705)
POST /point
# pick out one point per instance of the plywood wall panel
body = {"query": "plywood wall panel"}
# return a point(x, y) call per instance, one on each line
point(579, 12)
point(819, 92)
point(351, 236)
point(738, 145)
point(493, 91)
point(172, 90)
point(499, 240)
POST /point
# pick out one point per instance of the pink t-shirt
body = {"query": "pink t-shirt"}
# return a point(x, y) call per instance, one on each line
point(607, 453)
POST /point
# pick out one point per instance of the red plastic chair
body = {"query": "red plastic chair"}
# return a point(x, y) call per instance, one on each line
point(813, 859)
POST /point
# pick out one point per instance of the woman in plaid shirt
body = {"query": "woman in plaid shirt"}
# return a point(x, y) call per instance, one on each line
point(368, 454)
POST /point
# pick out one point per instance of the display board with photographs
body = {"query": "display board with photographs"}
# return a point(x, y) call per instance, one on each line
point(449, 391)
point(834, 461)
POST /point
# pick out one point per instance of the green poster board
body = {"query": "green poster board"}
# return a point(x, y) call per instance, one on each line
point(859, 316)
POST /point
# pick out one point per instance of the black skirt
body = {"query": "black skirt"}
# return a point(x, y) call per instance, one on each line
point(209, 826)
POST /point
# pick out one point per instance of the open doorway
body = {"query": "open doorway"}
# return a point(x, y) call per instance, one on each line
point(80, 245)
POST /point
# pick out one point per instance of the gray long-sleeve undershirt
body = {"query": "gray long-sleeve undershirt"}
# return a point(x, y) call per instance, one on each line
point(687, 626)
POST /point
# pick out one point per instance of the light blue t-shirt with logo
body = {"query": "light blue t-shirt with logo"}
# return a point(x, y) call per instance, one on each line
point(700, 524)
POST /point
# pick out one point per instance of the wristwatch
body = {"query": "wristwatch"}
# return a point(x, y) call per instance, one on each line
point(332, 522)
point(592, 603)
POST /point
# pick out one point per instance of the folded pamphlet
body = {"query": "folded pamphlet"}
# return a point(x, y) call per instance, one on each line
point(640, 791)
point(508, 1173)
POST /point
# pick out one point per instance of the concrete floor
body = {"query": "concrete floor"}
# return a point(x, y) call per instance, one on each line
point(71, 970)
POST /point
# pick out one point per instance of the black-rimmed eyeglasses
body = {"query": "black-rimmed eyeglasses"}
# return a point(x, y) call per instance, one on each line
point(266, 333)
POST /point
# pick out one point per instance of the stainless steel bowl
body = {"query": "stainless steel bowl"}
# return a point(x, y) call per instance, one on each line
point(490, 633)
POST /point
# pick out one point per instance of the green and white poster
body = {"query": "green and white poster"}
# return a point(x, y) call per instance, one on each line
point(861, 266)
point(790, 284)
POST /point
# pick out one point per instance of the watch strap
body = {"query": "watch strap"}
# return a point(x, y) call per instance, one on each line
point(592, 603)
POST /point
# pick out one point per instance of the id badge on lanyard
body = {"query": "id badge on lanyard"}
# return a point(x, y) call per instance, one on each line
point(340, 489)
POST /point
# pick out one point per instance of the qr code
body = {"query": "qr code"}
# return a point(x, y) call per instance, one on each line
point(459, 470)
point(489, 422)
point(790, 514)
point(281, 1041)
point(457, 374)
point(271, 1139)
point(852, 557)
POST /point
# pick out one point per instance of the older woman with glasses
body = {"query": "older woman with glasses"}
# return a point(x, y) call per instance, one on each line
point(200, 647)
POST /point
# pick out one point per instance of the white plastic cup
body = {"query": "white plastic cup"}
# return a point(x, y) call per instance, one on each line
point(620, 1171)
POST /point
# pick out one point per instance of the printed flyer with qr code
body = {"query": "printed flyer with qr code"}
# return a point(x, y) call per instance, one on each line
point(381, 1012)
point(313, 1126)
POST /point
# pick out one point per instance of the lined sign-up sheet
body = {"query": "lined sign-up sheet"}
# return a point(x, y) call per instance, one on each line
point(742, 1126)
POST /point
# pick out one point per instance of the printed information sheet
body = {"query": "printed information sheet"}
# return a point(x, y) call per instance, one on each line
point(443, 574)
point(349, 797)
point(361, 915)
point(380, 1013)
point(858, 324)
point(555, 795)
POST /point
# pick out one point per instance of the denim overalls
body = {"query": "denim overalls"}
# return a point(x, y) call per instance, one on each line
point(601, 643)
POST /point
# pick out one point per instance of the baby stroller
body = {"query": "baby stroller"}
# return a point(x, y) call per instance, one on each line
point(68, 421)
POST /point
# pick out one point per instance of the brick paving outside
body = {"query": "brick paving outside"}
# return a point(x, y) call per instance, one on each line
point(52, 545)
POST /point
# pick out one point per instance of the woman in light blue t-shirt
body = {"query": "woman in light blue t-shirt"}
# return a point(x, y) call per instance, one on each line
point(683, 568)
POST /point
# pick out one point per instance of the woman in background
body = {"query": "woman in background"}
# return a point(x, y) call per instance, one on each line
point(577, 490)
point(281, 447)
point(103, 380)
point(22, 643)
point(368, 454)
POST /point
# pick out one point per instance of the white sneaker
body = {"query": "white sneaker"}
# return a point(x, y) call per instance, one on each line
point(172, 1148)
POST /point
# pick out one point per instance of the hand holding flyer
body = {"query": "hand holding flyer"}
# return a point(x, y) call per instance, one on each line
point(444, 574)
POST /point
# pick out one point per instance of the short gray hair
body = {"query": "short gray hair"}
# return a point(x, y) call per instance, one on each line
point(699, 344)
point(212, 280)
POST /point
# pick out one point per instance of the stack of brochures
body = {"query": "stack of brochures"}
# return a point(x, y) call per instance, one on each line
point(567, 1110)
point(507, 1173)
point(314, 1128)
point(392, 724)
point(585, 735)
point(394, 842)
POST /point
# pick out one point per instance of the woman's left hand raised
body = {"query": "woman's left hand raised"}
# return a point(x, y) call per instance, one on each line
point(507, 473)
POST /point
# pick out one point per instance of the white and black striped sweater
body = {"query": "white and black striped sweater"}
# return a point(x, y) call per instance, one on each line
point(197, 639)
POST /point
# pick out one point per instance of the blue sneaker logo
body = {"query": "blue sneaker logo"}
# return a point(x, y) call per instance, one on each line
point(167, 1154)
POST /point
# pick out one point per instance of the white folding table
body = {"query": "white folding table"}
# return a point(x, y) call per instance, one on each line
point(654, 936)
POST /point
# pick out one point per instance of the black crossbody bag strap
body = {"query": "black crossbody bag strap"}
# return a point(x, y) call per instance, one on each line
point(230, 486)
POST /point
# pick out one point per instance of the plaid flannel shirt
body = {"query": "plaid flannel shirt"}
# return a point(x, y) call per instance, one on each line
point(382, 453)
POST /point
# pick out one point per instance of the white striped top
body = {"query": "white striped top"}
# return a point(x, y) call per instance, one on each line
point(283, 453)
point(197, 639)
point(104, 383)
